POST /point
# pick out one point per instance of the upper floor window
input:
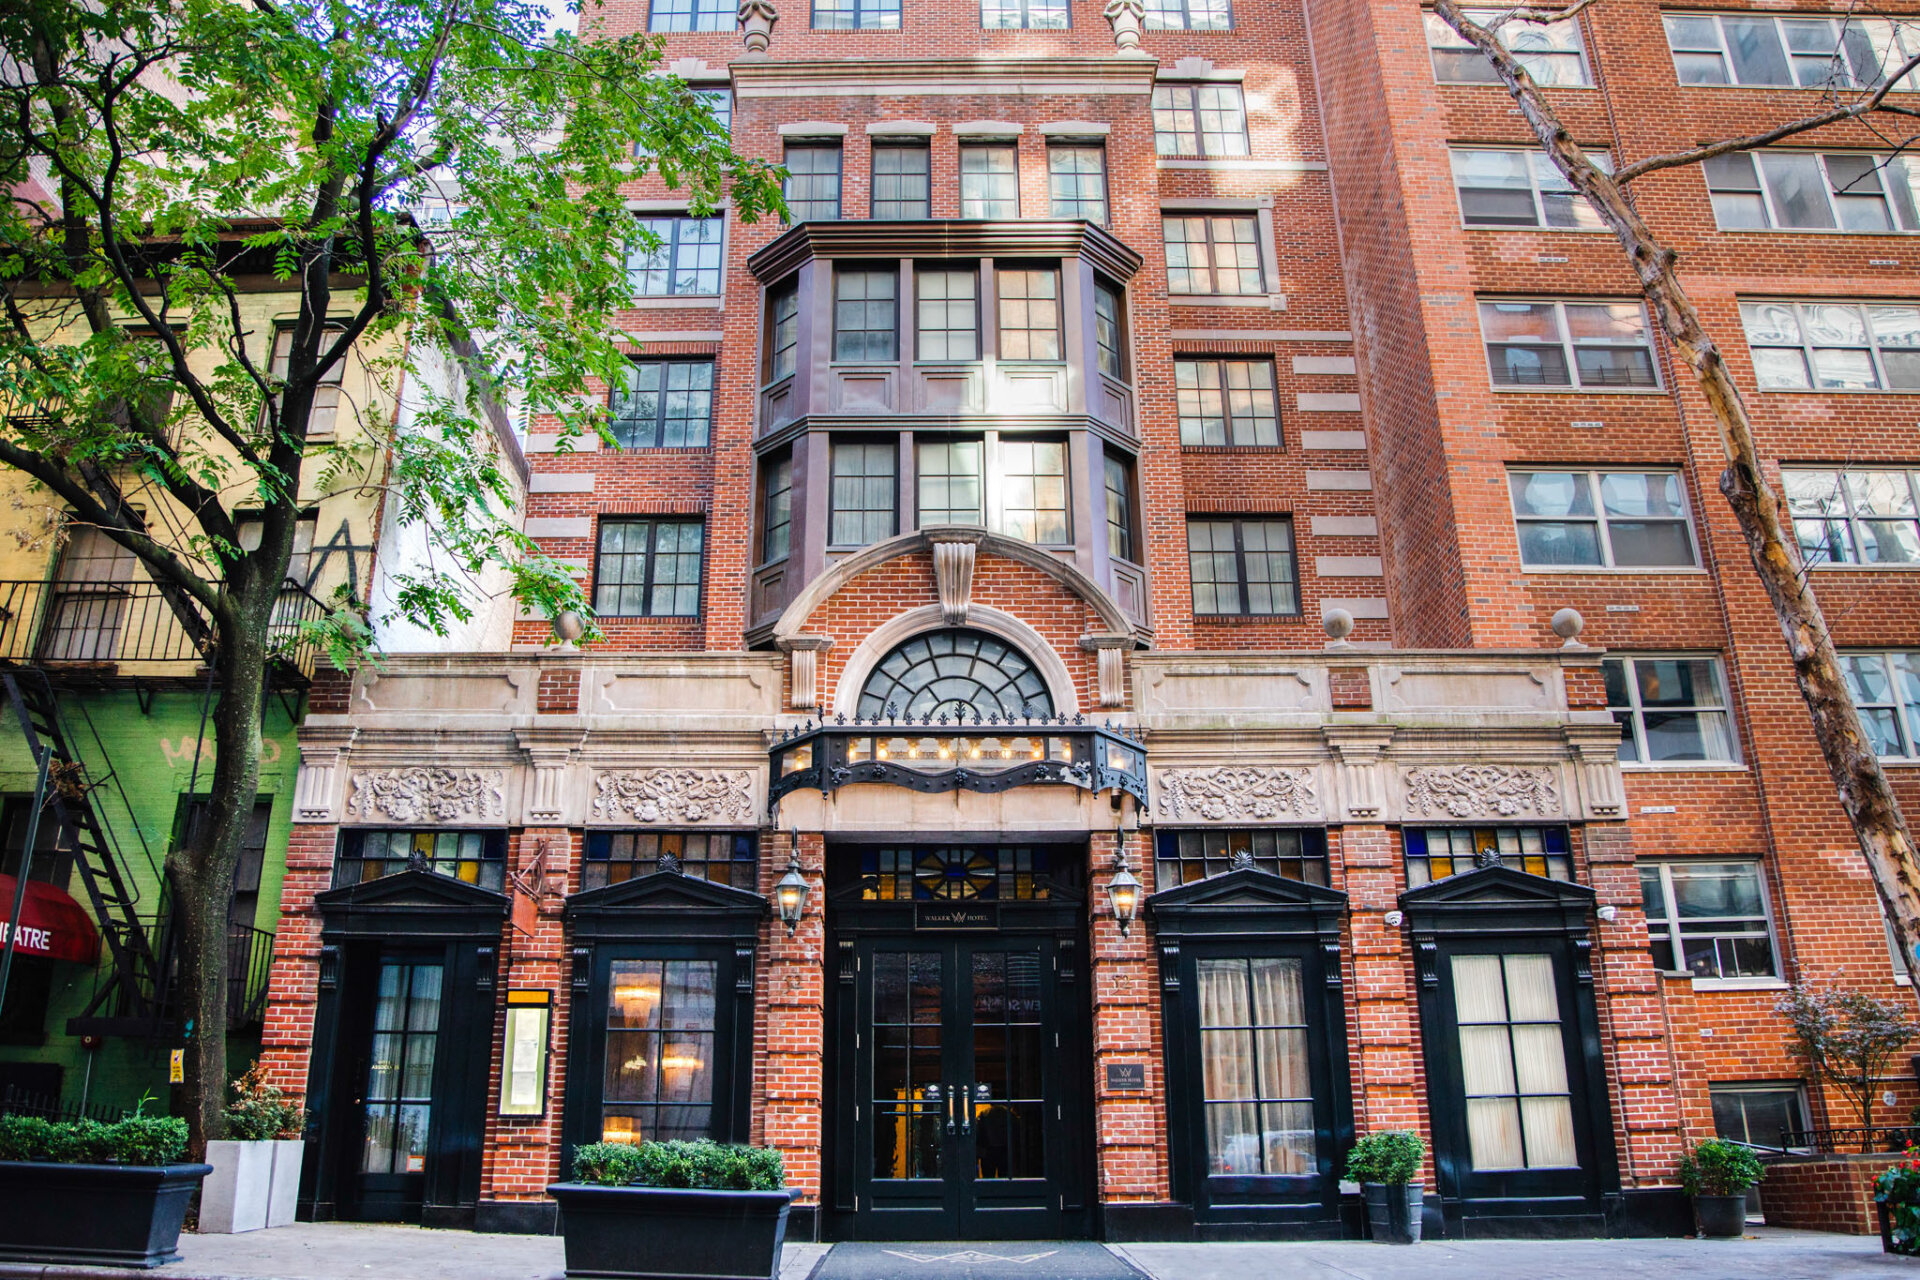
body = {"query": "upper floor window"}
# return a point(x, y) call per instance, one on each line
point(1842, 52)
point(1227, 402)
point(813, 182)
point(1850, 192)
point(1508, 187)
point(477, 857)
point(1213, 254)
point(666, 404)
point(866, 319)
point(1110, 329)
point(1119, 485)
point(1031, 477)
point(326, 396)
point(1029, 313)
point(1189, 15)
point(951, 485)
point(851, 15)
point(900, 181)
point(1434, 853)
point(718, 101)
point(1032, 14)
point(1602, 519)
point(686, 261)
point(1708, 919)
point(1671, 710)
point(861, 504)
point(1834, 346)
point(1551, 52)
point(691, 15)
point(989, 181)
point(648, 568)
point(1199, 120)
point(1855, 517)
point(1593, 346)
point(783, 331)
point(776, 514)
point(1242, 566)
point(1077, 181)
point(949, 314)
point(1182, 857)
point(1886, 689)
point(722, 857)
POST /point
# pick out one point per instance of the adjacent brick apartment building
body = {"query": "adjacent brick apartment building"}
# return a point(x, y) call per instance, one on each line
point(1106, 550)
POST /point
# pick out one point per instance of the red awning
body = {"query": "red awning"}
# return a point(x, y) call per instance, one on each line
point(52, 924)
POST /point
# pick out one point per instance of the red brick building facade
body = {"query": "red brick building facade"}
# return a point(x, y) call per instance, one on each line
point(1151, 455)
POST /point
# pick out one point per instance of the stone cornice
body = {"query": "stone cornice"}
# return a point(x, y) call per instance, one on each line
point(768, 78)
point(943, 238)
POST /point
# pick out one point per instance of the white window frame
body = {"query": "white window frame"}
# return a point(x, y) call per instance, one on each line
point(1905, 720)
point(1600, 518)
point(1536, 158)
point(1900, 975)
point(1569, 349)
point(1848, 514)
point(1902, 32)
point(1636, 728)
point(1883, 163)
point(1793, 1087)
point(1665, 866)
point(1429, 18)
point(1874, 348)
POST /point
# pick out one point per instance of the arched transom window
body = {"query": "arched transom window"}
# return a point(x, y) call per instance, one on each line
point(956, 673)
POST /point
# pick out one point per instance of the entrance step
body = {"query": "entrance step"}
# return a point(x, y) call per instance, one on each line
point(998, 1260)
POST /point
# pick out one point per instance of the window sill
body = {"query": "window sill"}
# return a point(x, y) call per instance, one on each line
point(648, 617)
point(1864, 568)
point(1840, 391)
point(1577, 391)
point(1233, 448)
point(1508, 226)
point(1733, 984)
point(1683, 766)
point(1814, 231)
point(1243, 619)
point(1616, 570)
point(1485, 84)
point(1271, 301)
point(655, 302)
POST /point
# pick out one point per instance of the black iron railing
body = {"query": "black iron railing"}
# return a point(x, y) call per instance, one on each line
point(15, 1101)
point(249, 963)
point(1891, 1138)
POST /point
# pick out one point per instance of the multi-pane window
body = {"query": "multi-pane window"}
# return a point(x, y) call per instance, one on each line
point(1834, 346)
point(691, 15)
point(813, 182)
point(1708, 918)
point(949, 314)
point(1110, 330)
point(783, 332)
point(1602, 519)
point(1031, 14)
point(1513, 1062)
point(856, 15)
point(1758, 1115)
point(1603, 346)
point(1509, 187)
point(1855, 517)
point(1840, 191)
point(1213, 253)
point(950, 482)
point(718, 101)
point(989, 180)
point(1182, 857)
point(776, 518)
point(901, 189)
point(399, 1094)
point(1032, 480)
point(1257, 1090)
point(1119, 485)
point(648, 568)
point(665, 404)
point(1199, 120)
point(685, 262)
point(719, 856)
point(1886, 691)
point(1841, 52)
point(1227, 402)
point(1434, 853)
point(1015, 873)
point(1551, 52)
point(862, 506)
point(865, 322)
point(1670, 710)
point(326, 396)
point(1188, 15)
point(477, 857)
point(1242, 566)
point(1077, 181)
point(660, 1020)
point(1029, 313)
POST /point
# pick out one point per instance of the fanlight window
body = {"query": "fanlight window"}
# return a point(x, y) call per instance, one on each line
point(960, 674)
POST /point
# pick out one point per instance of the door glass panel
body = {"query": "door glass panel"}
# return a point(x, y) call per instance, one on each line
point(1007, 1106)
point(1513, 1062)
point(399, 1087)
point(659, 1073)
point(909, 1105)
point(1256, 1086)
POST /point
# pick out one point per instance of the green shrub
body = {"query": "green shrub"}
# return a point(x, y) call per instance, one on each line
point(262, 1111)
point(137, 1139)
point(1392, 1157)
point(704, 1165)
point(1899, 1190)
point(1716, 1167)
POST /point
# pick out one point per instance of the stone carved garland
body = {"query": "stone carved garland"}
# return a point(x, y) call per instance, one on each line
point(1481, 791)
point(1235, 793)
point(428, 794)
point(674, 795)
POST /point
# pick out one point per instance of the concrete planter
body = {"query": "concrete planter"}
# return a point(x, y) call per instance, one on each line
point(234, 1197)
point(657, 1233)
point(283, 1194)
point(118, 1215)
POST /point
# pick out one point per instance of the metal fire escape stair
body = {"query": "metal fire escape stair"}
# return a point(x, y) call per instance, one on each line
point(138, 976)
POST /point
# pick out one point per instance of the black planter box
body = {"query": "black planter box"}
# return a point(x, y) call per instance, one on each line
point(119, 1215)
point(1394, 1211)
point(654, 1233)
point(1721, 1217)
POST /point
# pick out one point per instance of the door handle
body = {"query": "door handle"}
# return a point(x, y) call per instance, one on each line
point(964, 1096)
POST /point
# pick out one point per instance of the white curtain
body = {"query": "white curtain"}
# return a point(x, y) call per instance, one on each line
point(1513, 1062)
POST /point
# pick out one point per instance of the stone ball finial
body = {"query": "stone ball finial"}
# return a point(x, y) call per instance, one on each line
point(1339, 625)
point(1568, 624)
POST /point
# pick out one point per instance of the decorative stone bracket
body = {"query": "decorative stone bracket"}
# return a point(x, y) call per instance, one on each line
point(953, 560)
point(1357, 768)
point(1597, 750)
point(321, 761)
point(803, 669)
point(1110, 652)
point(546, 795)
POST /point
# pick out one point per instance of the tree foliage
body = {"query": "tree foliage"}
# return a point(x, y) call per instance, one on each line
point(1847, 1038)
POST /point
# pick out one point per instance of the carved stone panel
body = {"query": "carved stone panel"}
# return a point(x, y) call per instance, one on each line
point(1237, 793)
point(1482, 791)
point(720, 797)
point(428, 794)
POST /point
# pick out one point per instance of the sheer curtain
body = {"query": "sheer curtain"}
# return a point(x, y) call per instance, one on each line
point(1513, 1062)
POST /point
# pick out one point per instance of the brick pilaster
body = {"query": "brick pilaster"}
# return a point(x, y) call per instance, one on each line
point(1130, 1129)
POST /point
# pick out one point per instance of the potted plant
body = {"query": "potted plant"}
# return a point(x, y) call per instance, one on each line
point(255, 1181)
point(1385, 1165)
point(1718, 1174)
point(1896, 1197)
point(79, 1192)
point(657, 1210)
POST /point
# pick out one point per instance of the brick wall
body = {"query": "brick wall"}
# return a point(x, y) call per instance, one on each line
point(1823, 1193)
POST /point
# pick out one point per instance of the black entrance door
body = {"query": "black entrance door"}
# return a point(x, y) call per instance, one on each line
point(396, 1091)
point(959, 1109)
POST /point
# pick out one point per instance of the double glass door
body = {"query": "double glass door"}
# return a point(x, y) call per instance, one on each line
point(960, 1124)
